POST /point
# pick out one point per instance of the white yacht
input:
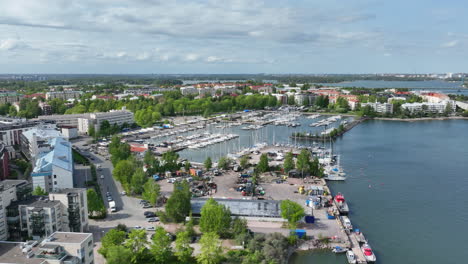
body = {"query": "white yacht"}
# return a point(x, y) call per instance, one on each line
point(351, 257)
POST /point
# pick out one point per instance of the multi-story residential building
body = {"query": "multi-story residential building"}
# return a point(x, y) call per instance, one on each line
point(10, 191)
point(58, 248)
point(12, 128)
point(40, 218)
point(65, 95)
point(9, 97)
point(302, 98)
point(188, 90)
point(4, 162)
point(53, 170)
point(36, 140)
point(118, 117)
point(426, 107)
point(46, 109)
point(74, 209)
point(378, 107)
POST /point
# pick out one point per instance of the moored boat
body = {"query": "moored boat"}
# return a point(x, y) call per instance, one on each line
point(351, 257)
point(341, 204)
point(368, 253)
point(338, 250)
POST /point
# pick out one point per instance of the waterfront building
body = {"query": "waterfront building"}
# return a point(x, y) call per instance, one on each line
point(378, 107)
point(65, 95)
point(243, 208)
point(118, 117)
point(426, 107)
point(53, 170)
point(10, 191)
point(431, 97)
point(58, 248)
point(301, 98)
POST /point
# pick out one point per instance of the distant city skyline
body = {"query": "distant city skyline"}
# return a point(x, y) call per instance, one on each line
point(232, 36)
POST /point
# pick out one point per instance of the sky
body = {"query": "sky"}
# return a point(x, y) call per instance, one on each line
point(233, 36)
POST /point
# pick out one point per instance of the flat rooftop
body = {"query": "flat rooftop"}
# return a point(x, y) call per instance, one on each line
point(68, 237)
point(10, 253)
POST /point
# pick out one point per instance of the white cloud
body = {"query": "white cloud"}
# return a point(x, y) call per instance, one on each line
point(191, 57)
point(12, 44)
point(450, 44)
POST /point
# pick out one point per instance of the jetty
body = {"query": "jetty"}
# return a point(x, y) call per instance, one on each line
point(330, 134)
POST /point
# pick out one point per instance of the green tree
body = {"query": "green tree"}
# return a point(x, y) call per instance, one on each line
point(208, 163)
point(211, 250)
point(291, 100)
point(303, 161)
point(123, 172)
point(119, 254)
point(151, 191)
point(223, 163)
point(95, 204)
point(138, 180)
point(215, 217)
point(137, 243)
point(244, 161)
point(161, 246)
point(169, 161)
point(112, 238)
point(39, 191)
point(92, 131)
point(187, 165)
point(292, 211)
point(178, 205)
point(262, 165)
point(183, 251)
point(288, 162)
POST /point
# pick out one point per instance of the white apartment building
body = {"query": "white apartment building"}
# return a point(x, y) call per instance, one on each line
point(118, 117)
point(301, 98)
point(74, 209)
point(10, 191)
point(188, 90)
point(65, 95)
point(426, 107)
point(64, 120)
point(53, 170)
point(380, 107)
point(35, 140)
point(58, 248)
point(40, 218)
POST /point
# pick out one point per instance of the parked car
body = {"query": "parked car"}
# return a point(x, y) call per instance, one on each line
point(109, 198)
point(150, 215)
point(138, 227)
point(102, 176)
point(152, 219)
point(147, 213)
point(108, 194)
point(143, 201)
point(171, 180)
point(150, 228)
point(147, 206)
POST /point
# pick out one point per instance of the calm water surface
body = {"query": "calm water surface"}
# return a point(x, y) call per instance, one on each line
point(407, 190)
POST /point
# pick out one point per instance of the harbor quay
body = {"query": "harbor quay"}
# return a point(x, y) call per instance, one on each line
point(327, 231)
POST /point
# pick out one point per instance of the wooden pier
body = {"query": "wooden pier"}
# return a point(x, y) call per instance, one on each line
point(355, 247)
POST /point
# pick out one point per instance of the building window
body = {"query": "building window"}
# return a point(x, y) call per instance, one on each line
point(55, 176)
point(90, 253)
point(55, 182)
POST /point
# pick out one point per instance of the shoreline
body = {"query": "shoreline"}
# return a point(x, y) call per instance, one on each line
point(420, 119)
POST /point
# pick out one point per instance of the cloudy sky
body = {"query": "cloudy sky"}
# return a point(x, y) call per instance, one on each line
point(233, 36)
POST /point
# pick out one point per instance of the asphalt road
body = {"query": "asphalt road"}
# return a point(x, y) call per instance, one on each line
point(129, 211)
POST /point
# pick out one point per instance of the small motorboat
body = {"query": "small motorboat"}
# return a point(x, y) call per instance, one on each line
point(341, 204)
point(339, 249)
point(346, 223)
point(351, 257)
point(368, 253)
